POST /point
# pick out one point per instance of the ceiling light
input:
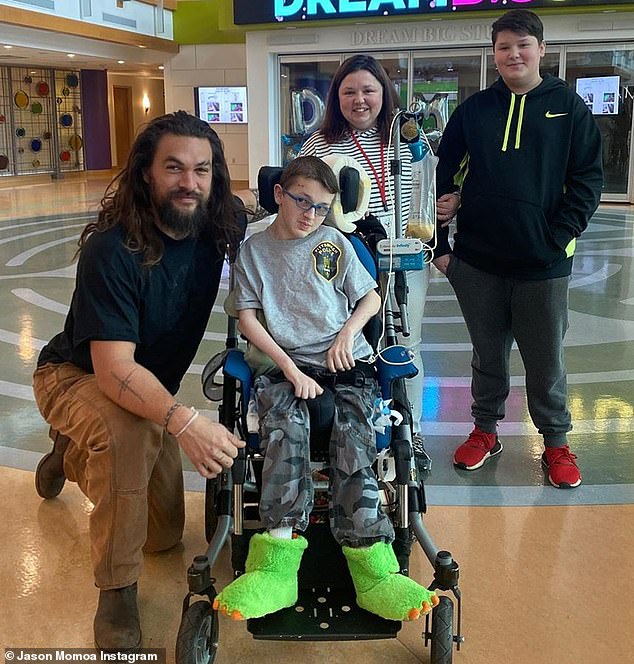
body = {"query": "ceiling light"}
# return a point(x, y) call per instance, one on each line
point(7, 46)
point(120, 62)
point(161, 67)
point(70, 55)
point(141, 46)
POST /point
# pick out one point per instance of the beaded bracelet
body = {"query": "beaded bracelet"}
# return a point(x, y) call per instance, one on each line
point(173, 408)
point(195, 414)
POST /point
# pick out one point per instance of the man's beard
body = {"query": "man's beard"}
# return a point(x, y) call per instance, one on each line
point(183, 223)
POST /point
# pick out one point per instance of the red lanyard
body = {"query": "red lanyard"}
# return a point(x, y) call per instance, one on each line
point(380, 182)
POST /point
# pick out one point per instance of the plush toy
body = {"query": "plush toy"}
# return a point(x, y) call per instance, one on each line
point(270, 581)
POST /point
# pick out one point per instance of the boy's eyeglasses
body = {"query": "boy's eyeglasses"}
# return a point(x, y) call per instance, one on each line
point(304, 204)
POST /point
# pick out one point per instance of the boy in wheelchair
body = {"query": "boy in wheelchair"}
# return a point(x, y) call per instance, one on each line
point(303, 298)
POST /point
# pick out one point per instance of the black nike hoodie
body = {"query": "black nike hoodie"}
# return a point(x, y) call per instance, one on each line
point(530, 172)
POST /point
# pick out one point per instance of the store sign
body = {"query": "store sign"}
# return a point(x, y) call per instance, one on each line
point(277, 11)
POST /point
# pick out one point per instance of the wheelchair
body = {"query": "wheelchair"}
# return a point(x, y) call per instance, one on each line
point(326, 609)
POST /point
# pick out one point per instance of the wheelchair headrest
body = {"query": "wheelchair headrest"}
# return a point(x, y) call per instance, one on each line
point(349, 205)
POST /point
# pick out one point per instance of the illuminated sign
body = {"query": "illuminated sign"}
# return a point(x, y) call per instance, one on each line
point(279, 11)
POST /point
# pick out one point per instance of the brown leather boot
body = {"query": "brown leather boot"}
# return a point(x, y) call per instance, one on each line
point(49, 474)
point(116, 623)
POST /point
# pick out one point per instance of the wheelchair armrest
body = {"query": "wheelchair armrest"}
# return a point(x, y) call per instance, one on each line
point(235, 366)
point(393, 363)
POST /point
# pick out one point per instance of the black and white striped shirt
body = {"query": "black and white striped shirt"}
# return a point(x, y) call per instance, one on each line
point(370, 141)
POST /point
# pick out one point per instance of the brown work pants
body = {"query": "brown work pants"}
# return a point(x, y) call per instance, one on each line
point(127, 466)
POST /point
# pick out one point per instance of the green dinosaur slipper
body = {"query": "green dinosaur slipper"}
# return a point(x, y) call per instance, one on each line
point(381, 589)
point(269, 582)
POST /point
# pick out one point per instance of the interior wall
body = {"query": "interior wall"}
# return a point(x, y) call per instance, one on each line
point(153, 87)
point(207, 65)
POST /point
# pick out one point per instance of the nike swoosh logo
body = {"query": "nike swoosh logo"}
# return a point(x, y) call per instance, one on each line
point(555, 115)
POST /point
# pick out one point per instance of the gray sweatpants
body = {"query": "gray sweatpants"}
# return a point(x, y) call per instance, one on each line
point(535, 313)
point(356, 517)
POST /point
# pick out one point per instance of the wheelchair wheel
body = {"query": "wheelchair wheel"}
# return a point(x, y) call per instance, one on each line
point(197, 641)
point(442, 632)
point(212, 489)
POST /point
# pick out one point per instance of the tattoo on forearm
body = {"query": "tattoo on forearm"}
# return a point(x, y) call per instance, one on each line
point(124, 385)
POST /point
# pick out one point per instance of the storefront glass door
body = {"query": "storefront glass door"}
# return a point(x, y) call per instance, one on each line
point(605, 79)
point(304, 83)
point(441, 80)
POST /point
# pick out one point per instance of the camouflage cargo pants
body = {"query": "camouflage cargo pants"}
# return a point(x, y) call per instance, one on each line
point(356, 517)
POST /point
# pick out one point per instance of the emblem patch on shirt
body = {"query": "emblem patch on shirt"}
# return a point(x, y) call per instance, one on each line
point(326, 256)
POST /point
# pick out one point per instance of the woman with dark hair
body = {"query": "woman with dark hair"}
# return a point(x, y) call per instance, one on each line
point(359, 110)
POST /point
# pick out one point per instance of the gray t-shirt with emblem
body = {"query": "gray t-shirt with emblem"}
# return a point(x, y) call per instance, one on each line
point(307, 289)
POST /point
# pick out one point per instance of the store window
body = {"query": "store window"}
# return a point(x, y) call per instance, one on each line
point(442, 80)
point(605, 79)
point(303, 88)
point(397, 67)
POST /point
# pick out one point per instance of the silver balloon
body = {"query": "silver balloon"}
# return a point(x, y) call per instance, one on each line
point(300, 124)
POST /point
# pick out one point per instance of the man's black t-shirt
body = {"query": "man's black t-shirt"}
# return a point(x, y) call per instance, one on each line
point(163, 309)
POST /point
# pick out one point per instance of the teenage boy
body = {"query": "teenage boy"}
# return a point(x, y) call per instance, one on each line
point(530, 154)
point(306, 282)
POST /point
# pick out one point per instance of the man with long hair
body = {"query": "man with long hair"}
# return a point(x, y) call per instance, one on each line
point(147, 277)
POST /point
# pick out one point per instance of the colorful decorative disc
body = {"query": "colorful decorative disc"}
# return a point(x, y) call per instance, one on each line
point(21, 99)
point(36, 145)
point(42, 89)
point(72, 81)
point(36, 108)
point(66, 120)
point(75, 142)
point(64, 155)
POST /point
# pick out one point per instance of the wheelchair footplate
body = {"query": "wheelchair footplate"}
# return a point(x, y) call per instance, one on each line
point(323, 614)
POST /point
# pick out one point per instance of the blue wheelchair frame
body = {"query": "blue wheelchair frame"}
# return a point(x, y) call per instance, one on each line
point(329, 611)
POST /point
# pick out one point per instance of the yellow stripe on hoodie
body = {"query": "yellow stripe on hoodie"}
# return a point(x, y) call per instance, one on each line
point(520, 119)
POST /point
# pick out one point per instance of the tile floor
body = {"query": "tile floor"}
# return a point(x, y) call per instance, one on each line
point(546, 575)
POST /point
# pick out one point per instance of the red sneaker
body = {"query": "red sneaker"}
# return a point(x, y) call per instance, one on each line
point(477, 449)
point(563, 471)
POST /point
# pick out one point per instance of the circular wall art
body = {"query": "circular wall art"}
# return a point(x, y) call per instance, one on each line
point(20, 132)
point(28, 80)
point(65, 92)
point(46, 135)
point(66, 120)
point(36, 108)
point(21, 99)
point(72, 81)
point(35, 163)
point(4, 162)
point(36, 145)
point(58, 101)
point(20, 150)
point(64, 155)
point(42, 89)
point(75, 142)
